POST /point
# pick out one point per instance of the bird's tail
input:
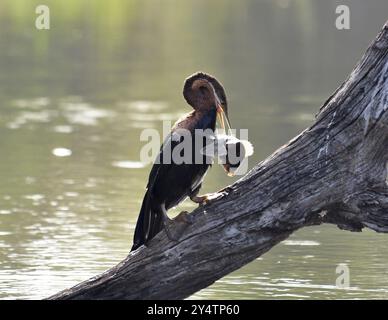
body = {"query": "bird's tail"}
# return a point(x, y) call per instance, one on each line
point(149, 222)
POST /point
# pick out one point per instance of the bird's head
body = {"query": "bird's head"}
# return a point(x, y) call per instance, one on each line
point(204, 92)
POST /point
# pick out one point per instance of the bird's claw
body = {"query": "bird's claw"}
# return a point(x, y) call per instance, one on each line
point(199, 199)
point(184, 217)
point(175, 228)
point(206, 198)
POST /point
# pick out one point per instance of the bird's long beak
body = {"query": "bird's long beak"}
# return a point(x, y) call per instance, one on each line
point(221, 113)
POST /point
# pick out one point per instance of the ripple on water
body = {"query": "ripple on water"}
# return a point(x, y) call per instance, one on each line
point(128, 164)
point(34, 103)
point(61, 152)
point(71, 194)
point(35, 197)
point(74, 109)
point(300, 243)
point(26, 117)
point(83, 113)
point(166, 116)
point(144, 106)
point(63, 129)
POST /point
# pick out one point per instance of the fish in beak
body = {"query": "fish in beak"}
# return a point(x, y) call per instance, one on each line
point(236, 152)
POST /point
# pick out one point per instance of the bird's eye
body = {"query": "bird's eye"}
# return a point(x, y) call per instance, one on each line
point(203, 90)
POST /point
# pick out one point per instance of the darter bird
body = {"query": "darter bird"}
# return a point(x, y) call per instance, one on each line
point(169, 183)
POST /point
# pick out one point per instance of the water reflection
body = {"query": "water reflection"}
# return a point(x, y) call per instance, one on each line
point(90, 85)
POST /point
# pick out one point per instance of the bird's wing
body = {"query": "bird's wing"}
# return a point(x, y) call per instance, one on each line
point(168, 145)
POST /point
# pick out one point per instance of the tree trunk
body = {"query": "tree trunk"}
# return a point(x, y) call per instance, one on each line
point(333, 172)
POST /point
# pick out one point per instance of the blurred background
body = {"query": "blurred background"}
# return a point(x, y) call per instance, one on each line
point(74, 99)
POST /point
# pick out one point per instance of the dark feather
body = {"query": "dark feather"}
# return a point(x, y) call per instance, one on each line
point(170, 183)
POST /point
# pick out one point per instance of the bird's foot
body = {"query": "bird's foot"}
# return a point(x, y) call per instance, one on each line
point(176, 227)
point(168, 225)
point(184, 217)
point(202, 200)
point(198, 199)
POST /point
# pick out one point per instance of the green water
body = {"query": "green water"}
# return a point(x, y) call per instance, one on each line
point(108, 69)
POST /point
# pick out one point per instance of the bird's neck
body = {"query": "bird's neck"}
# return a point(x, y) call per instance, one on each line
point(205, 111)
point(205, 119)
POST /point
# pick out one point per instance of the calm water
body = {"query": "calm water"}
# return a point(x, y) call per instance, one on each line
point(108, 69)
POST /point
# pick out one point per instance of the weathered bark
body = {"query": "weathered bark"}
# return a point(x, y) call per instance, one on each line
point(334, 172)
